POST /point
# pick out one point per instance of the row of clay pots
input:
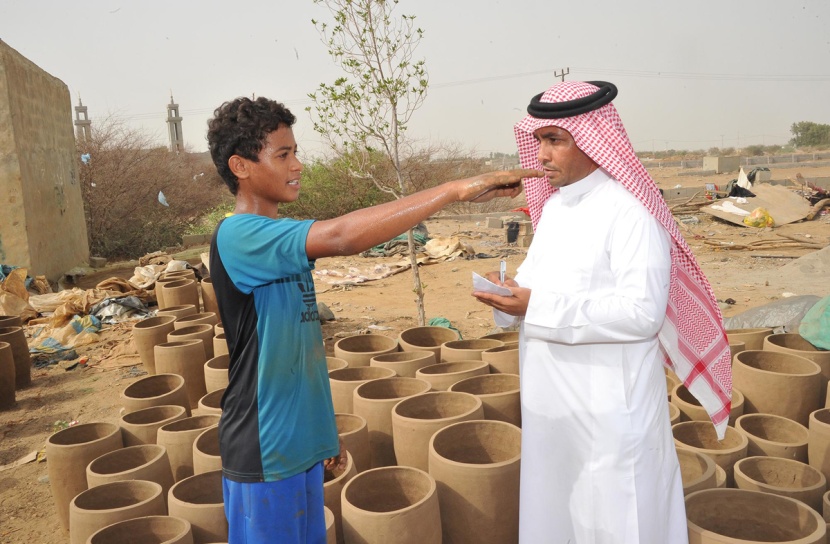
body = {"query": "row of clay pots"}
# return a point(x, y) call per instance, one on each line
point(13, 345)
point(183, 324)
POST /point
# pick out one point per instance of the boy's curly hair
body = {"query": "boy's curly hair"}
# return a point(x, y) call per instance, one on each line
point(240, 127)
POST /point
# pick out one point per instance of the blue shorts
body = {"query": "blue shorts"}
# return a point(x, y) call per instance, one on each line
point(289, 511)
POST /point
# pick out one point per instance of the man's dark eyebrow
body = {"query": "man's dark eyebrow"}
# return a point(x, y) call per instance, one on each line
point(285, 148)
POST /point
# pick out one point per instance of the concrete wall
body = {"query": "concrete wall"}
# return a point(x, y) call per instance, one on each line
point(42, 226)
point(722, 164)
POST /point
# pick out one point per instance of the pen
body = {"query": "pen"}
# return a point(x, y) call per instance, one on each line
point(502, 270)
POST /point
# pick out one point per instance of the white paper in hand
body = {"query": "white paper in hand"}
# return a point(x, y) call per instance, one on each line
point(483, 285)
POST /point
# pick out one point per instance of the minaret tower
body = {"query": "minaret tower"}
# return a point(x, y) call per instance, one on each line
point(82, 122)
point(174, 126)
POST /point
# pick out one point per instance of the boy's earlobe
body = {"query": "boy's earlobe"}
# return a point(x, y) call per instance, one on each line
point(238, 167)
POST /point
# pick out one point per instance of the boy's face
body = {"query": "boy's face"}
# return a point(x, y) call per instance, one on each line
point(276, 177)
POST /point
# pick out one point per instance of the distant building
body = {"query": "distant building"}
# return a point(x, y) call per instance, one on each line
point(82, 122)
point(174, 126)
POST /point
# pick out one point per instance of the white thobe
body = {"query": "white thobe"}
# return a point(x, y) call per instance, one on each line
point(598, 459)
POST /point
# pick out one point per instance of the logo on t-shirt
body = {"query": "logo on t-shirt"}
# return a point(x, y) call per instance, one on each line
point(310, 300)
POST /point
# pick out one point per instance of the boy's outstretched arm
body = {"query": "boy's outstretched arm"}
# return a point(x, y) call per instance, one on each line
point(362, 229)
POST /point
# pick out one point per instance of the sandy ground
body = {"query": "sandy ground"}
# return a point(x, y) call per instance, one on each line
point(58, 396)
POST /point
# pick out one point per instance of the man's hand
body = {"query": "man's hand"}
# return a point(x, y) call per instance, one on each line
point(485, 187)
point(515, 305)
point(339, 461)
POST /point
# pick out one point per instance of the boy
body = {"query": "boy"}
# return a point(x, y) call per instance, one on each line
point(277, 433)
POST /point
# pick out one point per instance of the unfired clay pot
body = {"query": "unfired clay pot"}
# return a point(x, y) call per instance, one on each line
point(160, 295)
point(404, 363)
point(784, 477)
point(16, 338)
point(220, 345)
point(733, 516)
point(466, 350)
point(344, 381)
point(691, 410)
point(426, 339)
point(774, 436)
point(499, 394)
point(442, 375)
point(794, 343)
point(211, 403)
point(110, 503)
point(216, 373)
point(416, 419)
point(187, 359)
point(818, 441)
point(149, 333)
point(359, 350)
point(203, 332)
point(187, 273)
point(475, 465)
point(209, 296)
point(334, 363)
point(11, 321)
point(146, 462)
point(333, 483)
point(180, 292)
point(149, 529)
point(140, 427)
point(502, 359)
point(374, 401)
point(206, 456)
point(178, 438)
point(674, 414)
point(331, 535)
point(158, 390)
point(354, 432)
point(508, 337)
point(391, 504)
point(68, 452)
point(778, 383)
point(178, 311)
point(697, 470)
point(218, 328)
point(7, 383)
point(825, 506)
point(700, 436)
point(199, 500)
point(736, 347)
point(753, 339)
point(203, 318)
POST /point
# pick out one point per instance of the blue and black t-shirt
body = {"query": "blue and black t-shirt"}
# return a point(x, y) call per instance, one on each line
point(277, 416)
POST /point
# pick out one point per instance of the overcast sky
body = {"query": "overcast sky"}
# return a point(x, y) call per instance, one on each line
point(691, 75)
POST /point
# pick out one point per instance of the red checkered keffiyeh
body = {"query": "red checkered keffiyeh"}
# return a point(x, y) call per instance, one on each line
point(692, 336)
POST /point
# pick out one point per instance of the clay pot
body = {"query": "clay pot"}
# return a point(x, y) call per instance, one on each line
point(333, 483)
point(331, 535)
point(697, 470)
point(818, 441)
point(502, 359)
point(404, 363)
point(209, 302)
point(218, 328)
point(671, 382)
point(416, 419)
point(333, 363)
point(187, 273)
point(7, 381)
point(774, 436)
point(16, 338)
point(68, 452)
point(825, 506)
point(178, 438)
point(475, 465)
point(180, 292)
point(220, 345)
point(203, 332)
point(797, 345)
point(753, 339)
point(391, 504)
point(784, 477)
point(203, 318)
point(10, 321)
point(140, 427)
point(162, 304)
point(499, 394)
point(345, 381)
point(216, 373)
point(187, 359)
point(736, 347)
point(178, 311)
point(211, 403)
point(442, 375)
point(110, 503)
point(426, 339)
point(147, 334)
point(359, 350)
point(354, 433)
point(149, 529)
point(158, 390)
point(737, 515)
point(507, 337)
point(206, 456)
point(199, 500)
point(700, 436)
point(674, 414)
point(720, 477)
point(466, 350)
point(146, 462)
point(778, 383)
point(374, 401)
point(691, 410)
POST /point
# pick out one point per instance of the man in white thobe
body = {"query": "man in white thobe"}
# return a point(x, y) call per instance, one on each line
point(598, 459)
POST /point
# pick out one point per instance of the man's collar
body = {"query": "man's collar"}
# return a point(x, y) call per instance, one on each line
point(576, 190)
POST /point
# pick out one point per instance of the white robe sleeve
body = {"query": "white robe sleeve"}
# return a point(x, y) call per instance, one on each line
point(630, 310)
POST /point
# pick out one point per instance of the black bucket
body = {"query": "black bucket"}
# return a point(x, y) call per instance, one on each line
point(512, 232)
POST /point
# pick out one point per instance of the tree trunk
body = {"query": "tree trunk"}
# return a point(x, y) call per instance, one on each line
point(418, 289)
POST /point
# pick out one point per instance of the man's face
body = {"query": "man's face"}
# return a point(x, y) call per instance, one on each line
point(563, 162)
point(276, 176)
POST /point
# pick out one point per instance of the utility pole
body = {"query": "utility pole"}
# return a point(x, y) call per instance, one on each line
point(561, 74)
